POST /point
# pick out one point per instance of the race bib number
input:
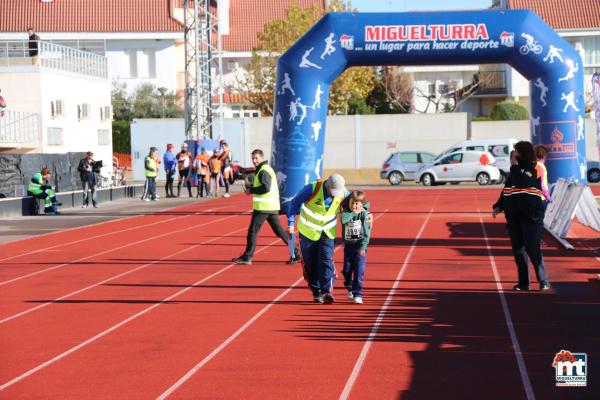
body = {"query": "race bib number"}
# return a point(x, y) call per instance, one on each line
point(353, 231)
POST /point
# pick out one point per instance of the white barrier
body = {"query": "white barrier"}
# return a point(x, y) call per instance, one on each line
point(570, 199)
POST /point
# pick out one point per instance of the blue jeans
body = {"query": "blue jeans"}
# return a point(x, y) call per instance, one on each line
point(354, 268)
point(150, 188)
point(319, 270)
point(87, 185)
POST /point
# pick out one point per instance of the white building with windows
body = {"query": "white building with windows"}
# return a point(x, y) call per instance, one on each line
point(57, 102)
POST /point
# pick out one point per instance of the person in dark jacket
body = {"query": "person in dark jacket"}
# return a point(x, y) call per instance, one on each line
point(522, 204)
point(265, 205)
point(88, 168)
point(33, 42)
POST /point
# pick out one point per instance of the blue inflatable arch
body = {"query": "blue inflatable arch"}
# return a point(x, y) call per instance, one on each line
point(342, 40)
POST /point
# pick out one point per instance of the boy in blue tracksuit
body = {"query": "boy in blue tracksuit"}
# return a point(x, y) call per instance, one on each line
point(356, 232)
point(170, 163)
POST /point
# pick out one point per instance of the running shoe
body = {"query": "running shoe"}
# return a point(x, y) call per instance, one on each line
point(358, 300)
point(242, 260)
point(318, 299)
point(350, 295)
point(328, 298)
point(519, 287)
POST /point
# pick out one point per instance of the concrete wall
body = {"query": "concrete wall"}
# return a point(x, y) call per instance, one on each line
point(352, 142)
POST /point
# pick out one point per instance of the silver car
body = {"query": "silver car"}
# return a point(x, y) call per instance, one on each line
point(403, 165)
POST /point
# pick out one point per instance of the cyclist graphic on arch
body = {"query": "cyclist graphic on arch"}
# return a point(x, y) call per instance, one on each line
point(530, 45)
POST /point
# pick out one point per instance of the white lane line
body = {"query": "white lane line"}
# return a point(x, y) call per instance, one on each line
point(126, 321)
point(140, 226)
point(228, 341)
point(112, 278)
point(509, 323)
point(367, 346)
point(237, 333)
point(98, 254)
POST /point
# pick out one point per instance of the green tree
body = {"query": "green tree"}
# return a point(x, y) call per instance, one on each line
point(146, 101)
point(279, 35)
point(509, 110)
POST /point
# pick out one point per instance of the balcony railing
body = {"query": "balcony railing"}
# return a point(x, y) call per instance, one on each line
point(19, 128)
point(491, 82)
point(53, 56)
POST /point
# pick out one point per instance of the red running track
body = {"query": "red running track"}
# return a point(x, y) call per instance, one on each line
point(150, 307)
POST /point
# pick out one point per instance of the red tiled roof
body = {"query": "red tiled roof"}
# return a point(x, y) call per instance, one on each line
point(563, 14)
point(87, 16)
point(248, 17)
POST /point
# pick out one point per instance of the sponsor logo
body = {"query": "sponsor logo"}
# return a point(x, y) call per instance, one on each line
point(405, 33)
point(507, 39)
point(560, 140)
point(347, 42)
point(570, 368)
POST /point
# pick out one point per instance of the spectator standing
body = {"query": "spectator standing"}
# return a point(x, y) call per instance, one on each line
point(215, 165)
point(226, 159)
point(88, 168)
point(33, 44)
point(540, 167)
point(2, 105)
point(202, 172)
point(184, 166)
point(521, 201)
point(151, 171)
point(265, 206)
point(356, 231)
point(170, 164)
point(318, 204)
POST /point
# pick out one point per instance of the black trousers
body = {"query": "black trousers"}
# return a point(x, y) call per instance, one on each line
point(170, 179)
point(258, 219)
point(525, 238)
point(183, 175)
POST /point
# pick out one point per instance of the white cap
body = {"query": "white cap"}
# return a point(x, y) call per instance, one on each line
point(336, 185)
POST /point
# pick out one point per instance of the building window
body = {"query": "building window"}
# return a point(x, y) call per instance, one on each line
point(431, 89)
point(131, 57)
point(104, 113)
point(232, 66)
point(54, 136)
point(148, 64)
point(57, 108)
point(83, 111)
point(103, 137)
point(591, 54)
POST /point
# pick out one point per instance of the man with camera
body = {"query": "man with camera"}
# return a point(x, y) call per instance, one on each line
point(88, 168)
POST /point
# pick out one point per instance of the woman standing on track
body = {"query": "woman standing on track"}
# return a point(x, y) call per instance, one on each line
point(521, 201)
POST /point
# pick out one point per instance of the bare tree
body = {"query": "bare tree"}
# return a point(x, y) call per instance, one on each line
point(398, 88)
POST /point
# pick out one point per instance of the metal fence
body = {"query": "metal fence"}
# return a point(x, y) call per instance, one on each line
point(22, 53)
point(19, 127)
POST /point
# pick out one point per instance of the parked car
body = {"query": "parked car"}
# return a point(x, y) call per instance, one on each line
point(593, 168)
point(499, 148)
point(403, 165)
point(461, 166)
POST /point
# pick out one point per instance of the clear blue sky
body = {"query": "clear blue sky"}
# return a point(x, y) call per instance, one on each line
point(416, 5)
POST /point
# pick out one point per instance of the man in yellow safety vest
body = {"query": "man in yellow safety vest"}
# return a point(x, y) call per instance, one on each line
point(150, 171)
point(265, 206)
point(318, 204)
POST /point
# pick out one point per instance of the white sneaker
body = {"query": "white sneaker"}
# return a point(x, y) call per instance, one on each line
point(84, 206)
point(358, 300)
point(350, 295)
point(154, 199)
point(146, 199)
point(226, 195)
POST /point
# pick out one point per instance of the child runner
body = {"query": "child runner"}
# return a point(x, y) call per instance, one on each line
point(201, 167)
point(215, 164)
point(356, 232)
point(542, 173)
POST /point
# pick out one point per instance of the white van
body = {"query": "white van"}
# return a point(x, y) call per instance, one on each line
point(499, 148)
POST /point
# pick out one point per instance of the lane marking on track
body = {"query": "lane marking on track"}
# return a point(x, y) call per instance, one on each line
point(133, 317)
point(237, 333)
point(112, 278)
point(228, 341)
point(509, 323)
point(101, 253)
point(97, 236)
point(367, 346)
